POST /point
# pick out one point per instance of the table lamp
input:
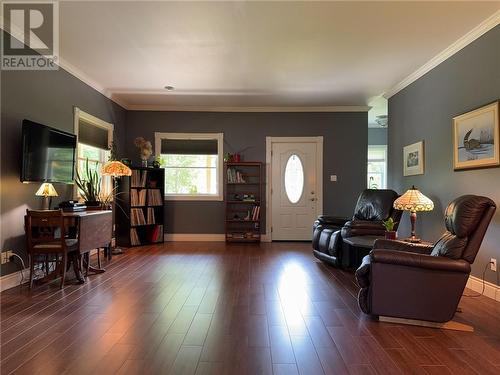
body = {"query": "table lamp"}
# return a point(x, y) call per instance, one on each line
point(47, 191)
point(414, 201)
point(115, 169)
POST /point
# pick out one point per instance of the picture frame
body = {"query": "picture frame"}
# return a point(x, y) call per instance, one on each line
point(476, 140)
point(413, 159)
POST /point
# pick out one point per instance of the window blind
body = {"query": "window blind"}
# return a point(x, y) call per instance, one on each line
point(189, 146)
point(92, 135)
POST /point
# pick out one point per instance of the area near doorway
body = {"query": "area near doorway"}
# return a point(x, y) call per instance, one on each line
point(294, 187)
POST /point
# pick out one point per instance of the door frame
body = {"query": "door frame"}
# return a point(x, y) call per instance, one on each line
point(269, 183)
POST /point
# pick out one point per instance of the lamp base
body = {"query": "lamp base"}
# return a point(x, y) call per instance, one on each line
point(117, 251)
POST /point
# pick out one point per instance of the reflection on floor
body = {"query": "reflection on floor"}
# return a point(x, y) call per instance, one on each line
point(208, 308)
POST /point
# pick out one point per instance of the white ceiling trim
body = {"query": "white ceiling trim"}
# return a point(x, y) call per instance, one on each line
point(468, 38)
point(74, 71)
point(345, 108)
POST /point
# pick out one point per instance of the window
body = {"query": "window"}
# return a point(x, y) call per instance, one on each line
point(377, 167)
point(193, 165)
point(94, 138)
point(294, 179)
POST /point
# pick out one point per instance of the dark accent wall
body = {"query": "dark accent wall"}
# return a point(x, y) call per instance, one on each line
point(424, 111)
point(47, 97)
point(377, 136)
point(345, 154)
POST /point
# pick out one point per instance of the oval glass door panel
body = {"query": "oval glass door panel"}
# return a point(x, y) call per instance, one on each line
point(294, 178)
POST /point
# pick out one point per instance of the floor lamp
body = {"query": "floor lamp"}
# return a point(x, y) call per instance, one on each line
point(115, 169)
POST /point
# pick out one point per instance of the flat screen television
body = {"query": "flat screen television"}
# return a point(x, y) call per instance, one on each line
point(48, 154)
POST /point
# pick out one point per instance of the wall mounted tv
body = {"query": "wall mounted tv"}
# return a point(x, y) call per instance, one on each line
point(48, 154)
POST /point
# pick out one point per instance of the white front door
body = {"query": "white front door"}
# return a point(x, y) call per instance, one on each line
point(294, 189)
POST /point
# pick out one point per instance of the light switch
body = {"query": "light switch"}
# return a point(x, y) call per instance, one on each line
point(333, 178)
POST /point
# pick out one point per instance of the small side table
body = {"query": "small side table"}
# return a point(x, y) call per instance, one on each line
point(355, 248)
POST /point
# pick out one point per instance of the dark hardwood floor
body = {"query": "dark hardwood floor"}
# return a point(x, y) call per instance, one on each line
point(208, 308)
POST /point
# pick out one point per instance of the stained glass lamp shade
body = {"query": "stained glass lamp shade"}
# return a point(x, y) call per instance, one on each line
point(414, 201)
point(115, 168)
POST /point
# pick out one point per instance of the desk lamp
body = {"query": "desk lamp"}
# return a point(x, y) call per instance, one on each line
point(47, 191)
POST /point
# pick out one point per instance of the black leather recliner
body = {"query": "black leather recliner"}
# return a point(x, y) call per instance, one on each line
point(414, 281)
point(373, 207)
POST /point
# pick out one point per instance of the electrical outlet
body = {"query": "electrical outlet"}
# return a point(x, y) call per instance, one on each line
point(493, 264)
point(6, 255)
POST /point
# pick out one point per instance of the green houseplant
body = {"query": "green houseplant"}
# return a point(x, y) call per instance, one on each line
point(390, 233)
point(89, 184)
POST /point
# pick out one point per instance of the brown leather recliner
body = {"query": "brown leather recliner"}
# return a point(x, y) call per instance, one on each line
point(414, 281)
point(373, 206)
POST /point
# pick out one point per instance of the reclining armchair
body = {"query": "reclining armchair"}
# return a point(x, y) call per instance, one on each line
point(418, 284)
point(372, 208)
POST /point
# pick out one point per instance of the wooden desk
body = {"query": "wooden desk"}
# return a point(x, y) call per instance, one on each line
point(94, 230)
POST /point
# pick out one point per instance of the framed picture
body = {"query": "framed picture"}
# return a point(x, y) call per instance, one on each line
point(475, 138)
point(413, 159)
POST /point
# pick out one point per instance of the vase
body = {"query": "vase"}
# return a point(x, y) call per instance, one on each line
point(390, 235)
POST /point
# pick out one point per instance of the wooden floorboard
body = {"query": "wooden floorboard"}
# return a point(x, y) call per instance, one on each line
point(210, 308)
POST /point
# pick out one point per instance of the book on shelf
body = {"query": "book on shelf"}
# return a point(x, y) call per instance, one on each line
point(138, 178)
point(234, 176)
point(137, 216)
point(151, 215)
point(154, 197)
point(256, 213)
point(156, 235)
point(138, 197)
point(134, 238)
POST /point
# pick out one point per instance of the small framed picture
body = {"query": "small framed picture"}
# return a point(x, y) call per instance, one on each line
point(413, 159)
point(475, 138)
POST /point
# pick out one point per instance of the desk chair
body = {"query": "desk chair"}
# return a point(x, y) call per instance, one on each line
point(46, 235)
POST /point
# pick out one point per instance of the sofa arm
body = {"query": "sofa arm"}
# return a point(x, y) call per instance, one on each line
point(403, 258)
point(332, 220)
point(362, 228)
point(403, 246)
point(363, 272)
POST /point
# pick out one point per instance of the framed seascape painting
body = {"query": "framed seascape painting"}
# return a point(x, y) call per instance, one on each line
point(476, 141)
point(413, 159)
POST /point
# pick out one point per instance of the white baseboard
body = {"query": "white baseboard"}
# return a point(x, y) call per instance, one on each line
point(11, 280)
point(195, 237)
point(266, 238)
point(490, 290)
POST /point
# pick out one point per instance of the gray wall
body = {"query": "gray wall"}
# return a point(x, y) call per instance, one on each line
point(345, 154)
point(47, 97)
point(424, 111)
point(377, 136)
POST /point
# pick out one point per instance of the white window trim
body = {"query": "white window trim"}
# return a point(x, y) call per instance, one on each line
point(220, 164)
point(378, 147)
point(78, 115)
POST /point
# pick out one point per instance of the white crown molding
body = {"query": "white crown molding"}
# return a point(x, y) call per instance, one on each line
point(490, 290)
point(357, 108)
point(77, 73)
point(465, 40)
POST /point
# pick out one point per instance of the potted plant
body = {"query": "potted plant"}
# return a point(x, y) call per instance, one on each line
point(390, 233)
point(89, 185)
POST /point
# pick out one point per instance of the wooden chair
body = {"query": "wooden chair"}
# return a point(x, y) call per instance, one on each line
point(46, 235)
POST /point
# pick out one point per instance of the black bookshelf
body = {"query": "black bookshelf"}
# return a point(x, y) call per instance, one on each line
point(141, 211)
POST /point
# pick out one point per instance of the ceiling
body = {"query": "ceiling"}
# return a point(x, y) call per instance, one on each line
point(256, 54)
